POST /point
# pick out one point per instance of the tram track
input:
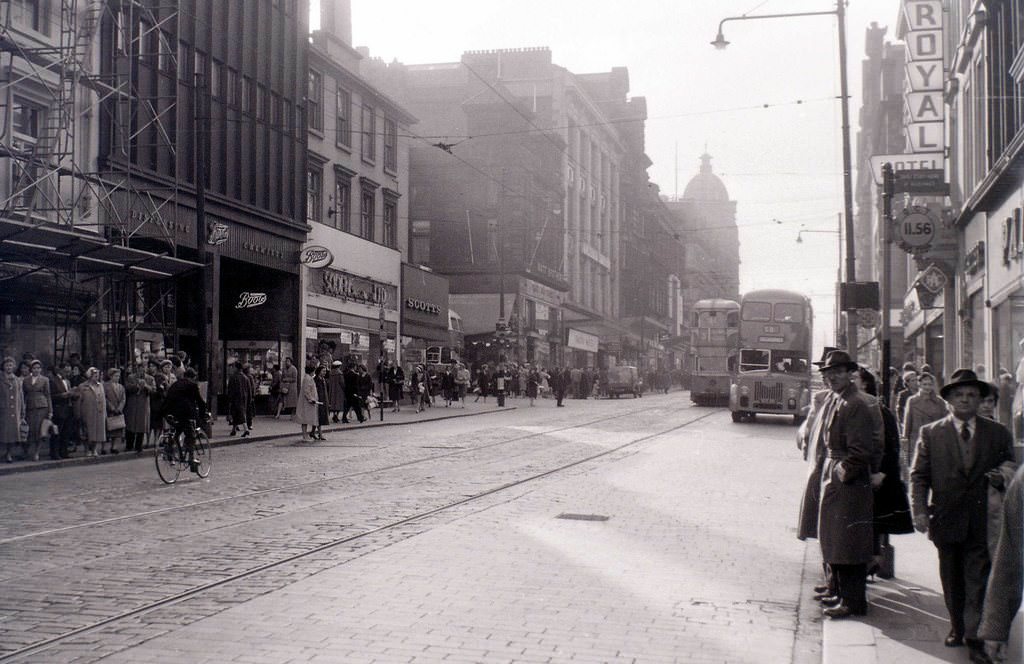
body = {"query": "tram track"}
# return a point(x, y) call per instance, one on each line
point(296, 486)
point(182, 596)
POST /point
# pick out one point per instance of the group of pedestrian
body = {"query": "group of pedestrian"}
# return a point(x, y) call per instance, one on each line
point(75, 405)
point(965, 493)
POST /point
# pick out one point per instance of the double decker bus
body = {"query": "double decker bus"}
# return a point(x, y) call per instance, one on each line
point(774, 369)
point(714, 338)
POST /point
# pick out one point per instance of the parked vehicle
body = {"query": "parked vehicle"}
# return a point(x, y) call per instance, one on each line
point(624, 379)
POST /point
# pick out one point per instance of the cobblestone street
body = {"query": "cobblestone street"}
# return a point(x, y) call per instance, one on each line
point(439, 541)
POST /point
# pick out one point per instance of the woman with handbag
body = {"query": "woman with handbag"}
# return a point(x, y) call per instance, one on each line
point(38, 407)
point(13, 428)
point(116, 398)
point(138, 387)
point(93, 406)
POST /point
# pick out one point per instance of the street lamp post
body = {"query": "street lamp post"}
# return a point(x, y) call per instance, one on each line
point(840, 13)
point(839, 272)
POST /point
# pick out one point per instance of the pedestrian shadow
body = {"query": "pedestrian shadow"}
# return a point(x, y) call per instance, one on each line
point(913, 616)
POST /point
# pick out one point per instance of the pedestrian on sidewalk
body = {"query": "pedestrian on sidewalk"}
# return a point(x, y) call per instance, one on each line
point(93, 404)
point(395, 378)
point(63, 411)
point(38, 407)
point(238, 400)
point(138, 387)
point(156, 401)
point(250, 402)
point(483, 383)
point(114, 394)
point(560, 382)
point(306, 405)
point(845, 516)
point(352, 401)
point(532, 385)
point(12, 409)
point(810, 441)
point(1006, 581)
point(322, 398)
point(922, 408)
point(952, 468)
point(336, 390)
point(891, 505)
point(462, 379)
point(289, 388)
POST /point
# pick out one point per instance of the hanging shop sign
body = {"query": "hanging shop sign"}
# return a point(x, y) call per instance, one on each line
point(906, 162)
point(217, 234)
point(926, 110)
point(974, 261)
point(582, 341)
point(315, 256)
point(915, 229)
point(1013, 237)
point(933, 279)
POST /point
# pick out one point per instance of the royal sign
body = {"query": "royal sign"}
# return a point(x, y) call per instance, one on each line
point(316, 256)
point(925, 108)
point(249, 300)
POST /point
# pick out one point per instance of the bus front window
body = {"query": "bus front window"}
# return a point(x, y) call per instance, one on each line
point(754, 360)
point(787, 361)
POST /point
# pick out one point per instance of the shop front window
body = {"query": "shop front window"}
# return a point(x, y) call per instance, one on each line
point(1007, 333)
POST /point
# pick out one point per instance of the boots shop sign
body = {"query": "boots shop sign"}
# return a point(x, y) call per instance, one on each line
point(315, 256)
point(921, 29)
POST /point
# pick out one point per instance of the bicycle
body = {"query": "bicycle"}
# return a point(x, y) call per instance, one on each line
point(172, 456)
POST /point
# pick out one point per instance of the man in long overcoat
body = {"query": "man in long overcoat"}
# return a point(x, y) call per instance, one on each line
point(953, 466)
point(845, 517)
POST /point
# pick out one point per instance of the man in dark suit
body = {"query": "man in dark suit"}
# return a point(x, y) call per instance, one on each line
point(63, 410)
point(184, 403)
point(956, 459)
point(845, 515)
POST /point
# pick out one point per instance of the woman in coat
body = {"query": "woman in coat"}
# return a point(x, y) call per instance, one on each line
point(532, 385)
point(238, 400)
point(289, 386)
point(891, 505)
point(306, 405)
point(93, 404)
point(336, 390)
point(396, 382)
point(12, 408)
point(322, 415)
point(114, 393)
point(138, 387)
point(922, 408)
point(38, 407)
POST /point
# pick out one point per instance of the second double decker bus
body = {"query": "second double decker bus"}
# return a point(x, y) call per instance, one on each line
point(715, 341)
point(774, 370)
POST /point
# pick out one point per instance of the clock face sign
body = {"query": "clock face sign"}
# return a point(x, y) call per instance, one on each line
point(933, 279)
point(915, 229)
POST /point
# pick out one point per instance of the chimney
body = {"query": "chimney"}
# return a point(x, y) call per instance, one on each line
point(336, 19)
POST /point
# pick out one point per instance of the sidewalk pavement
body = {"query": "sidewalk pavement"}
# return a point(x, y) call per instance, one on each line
point(268, 428)
point(907, 618)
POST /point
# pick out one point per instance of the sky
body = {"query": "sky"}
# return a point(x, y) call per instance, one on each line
point(766, 107)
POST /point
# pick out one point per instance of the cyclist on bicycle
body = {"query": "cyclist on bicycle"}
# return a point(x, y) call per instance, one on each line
point(185, 405)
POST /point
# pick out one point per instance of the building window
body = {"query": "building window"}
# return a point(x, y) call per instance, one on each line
point(199, 64)
point(390, 144)
point(248, 94)
point(231, 91)
point(32, 14)
point(315, 101)
point(314, 194)
point(390, 223)
point(216, 79)
point(341, 219)
point(343, 117)
point(369, 133)
point(183, 64)
point(165, 57)
point(366, 212)
point(26, 121)
point(276, 111)
point(261, 102)
point(420, 242)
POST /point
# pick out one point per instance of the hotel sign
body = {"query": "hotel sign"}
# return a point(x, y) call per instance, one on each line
point(926, 111)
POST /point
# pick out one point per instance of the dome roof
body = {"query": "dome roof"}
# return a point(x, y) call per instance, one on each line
point(706, 186)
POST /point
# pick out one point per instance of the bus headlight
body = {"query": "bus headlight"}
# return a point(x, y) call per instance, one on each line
point(744, 390)
point(792, 404)
point(791, 393)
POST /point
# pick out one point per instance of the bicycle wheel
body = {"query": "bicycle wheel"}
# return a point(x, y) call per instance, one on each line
point(168, 464)
point(204, 455)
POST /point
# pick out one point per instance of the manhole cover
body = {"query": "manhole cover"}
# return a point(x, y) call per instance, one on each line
point(582, 517)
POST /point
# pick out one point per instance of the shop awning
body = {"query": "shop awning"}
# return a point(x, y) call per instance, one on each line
point(65, 250)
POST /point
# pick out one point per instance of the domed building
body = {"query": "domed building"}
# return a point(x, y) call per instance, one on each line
point(707, 224)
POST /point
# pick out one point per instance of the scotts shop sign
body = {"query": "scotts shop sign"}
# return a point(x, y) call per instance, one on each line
point(249, 300)
point(420, 305)
point(316, 256)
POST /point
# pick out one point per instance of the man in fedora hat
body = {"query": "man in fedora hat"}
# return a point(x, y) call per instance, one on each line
point(845, 514)
point(952, 469)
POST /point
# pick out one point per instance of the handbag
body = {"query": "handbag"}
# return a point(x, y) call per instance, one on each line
point(115, 422)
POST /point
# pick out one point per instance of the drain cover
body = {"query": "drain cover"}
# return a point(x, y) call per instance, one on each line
point(582, 517)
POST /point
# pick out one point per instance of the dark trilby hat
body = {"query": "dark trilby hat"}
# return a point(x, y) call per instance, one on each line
point(837, 359)
point(965, 377)
point(824, 355)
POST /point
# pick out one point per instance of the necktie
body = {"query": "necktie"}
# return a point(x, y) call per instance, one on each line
point(965, 446)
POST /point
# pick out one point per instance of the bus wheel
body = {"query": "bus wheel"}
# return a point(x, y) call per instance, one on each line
point(737, 416)
point(798, 420)
point(752, 416)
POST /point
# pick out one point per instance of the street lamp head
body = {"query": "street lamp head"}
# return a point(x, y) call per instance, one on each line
point(799, 237)
point(720, 43)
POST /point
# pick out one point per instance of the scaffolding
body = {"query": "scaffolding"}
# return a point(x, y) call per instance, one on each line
point(88, 121)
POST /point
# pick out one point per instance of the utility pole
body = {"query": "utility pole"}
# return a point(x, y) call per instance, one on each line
point(199, 153)
point(851, 267)
point(887, 194)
